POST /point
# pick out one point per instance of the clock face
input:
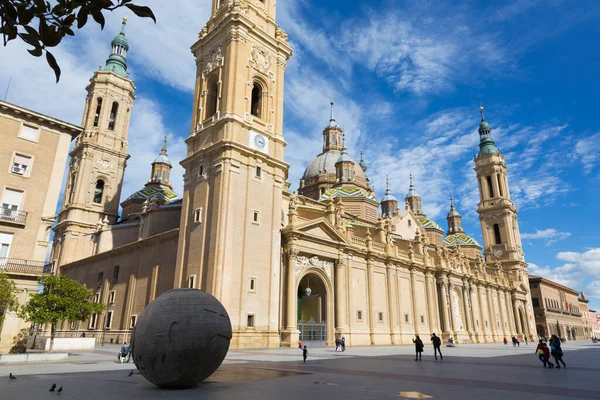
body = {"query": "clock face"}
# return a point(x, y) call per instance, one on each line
point(260, 142)
point(499, 253)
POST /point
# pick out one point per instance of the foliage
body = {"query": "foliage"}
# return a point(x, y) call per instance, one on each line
point(19, 345)
point(8, 296)
point(62, 299)
point(43, 24)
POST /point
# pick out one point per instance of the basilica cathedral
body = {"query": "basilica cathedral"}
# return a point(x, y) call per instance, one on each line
point(326, 260)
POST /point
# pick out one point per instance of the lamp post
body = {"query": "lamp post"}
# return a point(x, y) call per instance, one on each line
point(108, 304)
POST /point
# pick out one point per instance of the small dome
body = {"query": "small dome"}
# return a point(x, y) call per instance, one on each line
point(324, 163)
point(120, 39)
point(344, 157)
point(347, 192)
point(162, 159)
point(460, 239)
point(484, 126)
point(429, 224)
point(161, 195)
point(389, 197)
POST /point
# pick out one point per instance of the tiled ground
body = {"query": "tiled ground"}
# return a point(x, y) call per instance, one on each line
point(473, 371)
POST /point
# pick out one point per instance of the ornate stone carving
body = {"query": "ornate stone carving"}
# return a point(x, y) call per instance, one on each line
point(303, 263)
point(456, 310)
point(104, 165)
point(261, 60)
point(215, 60)
point(281, 35)
point(293, 205)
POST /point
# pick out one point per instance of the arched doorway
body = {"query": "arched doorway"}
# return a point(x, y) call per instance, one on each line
point(313, 310)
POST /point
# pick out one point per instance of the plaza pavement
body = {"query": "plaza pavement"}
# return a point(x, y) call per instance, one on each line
point(488, 371)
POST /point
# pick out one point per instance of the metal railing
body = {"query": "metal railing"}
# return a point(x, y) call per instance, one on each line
point(312, 332)
point(16, 266)
point(18, 216)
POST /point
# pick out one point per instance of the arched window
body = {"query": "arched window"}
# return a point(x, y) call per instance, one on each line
point(497, 234)
point(489, 185)
point(211, 99)
point(113, 116)
point(99, 191)
point(256, 107)
point(98, 109)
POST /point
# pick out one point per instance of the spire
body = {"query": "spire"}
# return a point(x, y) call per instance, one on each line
point(389, 203)
point(332, 123)
point(362, 163)
point(454, 219)
point(486, 143)
point(162, 157)
point(116, 62)
point(411, 191)
point(453, 212)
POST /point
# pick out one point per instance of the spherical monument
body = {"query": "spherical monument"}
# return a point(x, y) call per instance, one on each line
point(181, 338)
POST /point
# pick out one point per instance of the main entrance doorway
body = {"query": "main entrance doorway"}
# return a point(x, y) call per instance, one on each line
point(312, 311)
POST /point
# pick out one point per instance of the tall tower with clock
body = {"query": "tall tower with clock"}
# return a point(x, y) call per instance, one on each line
point(500, 226)
point(229, 244)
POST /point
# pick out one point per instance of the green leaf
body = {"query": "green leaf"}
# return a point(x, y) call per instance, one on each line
point(37, 52)
point(141, 11)
point(98, 17)
point(53, 64)
point(82, 17)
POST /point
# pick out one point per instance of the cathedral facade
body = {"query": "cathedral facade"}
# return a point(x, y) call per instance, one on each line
point(325, 261)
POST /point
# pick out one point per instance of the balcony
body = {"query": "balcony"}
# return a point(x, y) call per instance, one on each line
point(13, 216)
point(25, 267)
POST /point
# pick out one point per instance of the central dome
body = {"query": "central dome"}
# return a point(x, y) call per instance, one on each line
point(325, 164)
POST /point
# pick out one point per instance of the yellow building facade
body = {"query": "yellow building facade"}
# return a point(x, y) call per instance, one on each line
point(33, 156)
point(325, 261)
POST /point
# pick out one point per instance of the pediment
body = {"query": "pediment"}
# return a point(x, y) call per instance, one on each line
point(319, 228)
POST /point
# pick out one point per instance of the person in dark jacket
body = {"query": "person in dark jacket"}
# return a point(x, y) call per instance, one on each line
point(304, 353)
point(556, 351)
point(544, 354)
point(437, 345)
point(418, 348)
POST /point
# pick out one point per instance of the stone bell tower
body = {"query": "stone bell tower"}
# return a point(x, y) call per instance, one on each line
point(98, 160)
point(235, 172)
point(500, 225)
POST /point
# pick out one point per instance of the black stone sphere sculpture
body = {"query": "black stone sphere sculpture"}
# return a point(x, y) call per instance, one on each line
point(181, 338)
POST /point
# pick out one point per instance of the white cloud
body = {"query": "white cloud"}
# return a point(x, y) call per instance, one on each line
point(549, 236)
point(588, 261)
point(588, 156)
point(568, 274)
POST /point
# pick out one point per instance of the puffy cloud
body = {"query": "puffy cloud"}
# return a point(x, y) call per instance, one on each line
point(549, 236)
point(588, 261)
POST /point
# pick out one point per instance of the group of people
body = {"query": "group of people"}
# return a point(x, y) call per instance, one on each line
point(419, 346)
point(516, 341)
point(555, 350)
point(125, 353)
point(340, 344)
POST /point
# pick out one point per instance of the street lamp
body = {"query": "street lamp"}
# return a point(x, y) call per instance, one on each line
point(108, 304)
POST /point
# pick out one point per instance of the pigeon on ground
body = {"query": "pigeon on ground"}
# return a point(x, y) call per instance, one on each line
point(11, 376)
point(131, 373)
point(59, 390)
point(53, 388)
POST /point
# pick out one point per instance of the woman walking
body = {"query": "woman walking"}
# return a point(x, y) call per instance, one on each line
point(556, 351)
point(418, 348)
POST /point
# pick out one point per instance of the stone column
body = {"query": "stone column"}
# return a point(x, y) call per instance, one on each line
point(392, 309)
point(413, 294)
point(370, 300)
point(467, 309)
point(443, 281)
point(527, 330)
point(431, 301)
point(498, 294)
point(475, 300)
point(517, 319)
point(453, 326)
point(492, 312)
point(291, 333)
point(482, 312)
point(340, 297)
point(511, 316)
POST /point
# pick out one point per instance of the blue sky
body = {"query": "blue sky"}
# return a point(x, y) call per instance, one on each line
point(407, 78)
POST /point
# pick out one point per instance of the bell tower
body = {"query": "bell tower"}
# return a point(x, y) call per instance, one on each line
point(98, 159)
point(235, 173)
point(500, 225)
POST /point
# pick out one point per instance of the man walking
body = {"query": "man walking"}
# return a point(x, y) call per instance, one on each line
point(437, 344)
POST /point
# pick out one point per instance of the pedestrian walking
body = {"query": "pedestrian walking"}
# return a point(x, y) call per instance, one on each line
point(556, 351)
point(505, 341)
point(437, 346)
point(526, 342)
point(418, 348)
point(338, 344)
point(343, 343)
point(544, 354)
point(304, 353)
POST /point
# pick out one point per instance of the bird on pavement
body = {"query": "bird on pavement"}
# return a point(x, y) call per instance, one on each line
point(131, 373)
point(59, 390)
point(53, 388)
point(11, 376)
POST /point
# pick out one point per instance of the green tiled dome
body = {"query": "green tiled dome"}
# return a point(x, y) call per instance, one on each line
point(460, 239)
